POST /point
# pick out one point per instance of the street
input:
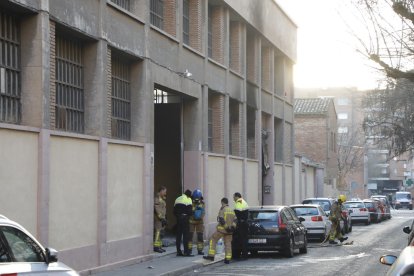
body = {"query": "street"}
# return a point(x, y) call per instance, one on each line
point(360, 258)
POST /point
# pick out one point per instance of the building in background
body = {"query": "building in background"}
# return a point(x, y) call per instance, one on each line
point(315, 137)
point(104, 101)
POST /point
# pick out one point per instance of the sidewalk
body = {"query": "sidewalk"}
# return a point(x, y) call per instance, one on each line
point(160, 264)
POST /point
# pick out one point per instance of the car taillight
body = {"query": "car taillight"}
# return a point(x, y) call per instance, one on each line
point(363, 209)
point(282, 226)
point(317, 218)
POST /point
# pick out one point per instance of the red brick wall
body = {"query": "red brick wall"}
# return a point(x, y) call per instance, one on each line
point(266, 68)
point(195, 24)
point(251, 58)
point(235, 120)
point(217, 18)
point(109, 91)
point(170, 20)
point(216, 102)
point(235, 45)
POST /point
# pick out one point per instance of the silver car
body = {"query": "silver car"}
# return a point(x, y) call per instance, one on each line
point(316, 221)
point(22, 254)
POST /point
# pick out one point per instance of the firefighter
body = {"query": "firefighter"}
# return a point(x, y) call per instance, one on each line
point(335, 216)
point(225, 228)
point(197, 222)
point(160, 209)
point(240, 241)
point(182, 211)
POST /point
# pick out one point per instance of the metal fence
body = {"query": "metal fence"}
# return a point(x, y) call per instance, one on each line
point(10, 86)
point(125, 4)
point(69, 85)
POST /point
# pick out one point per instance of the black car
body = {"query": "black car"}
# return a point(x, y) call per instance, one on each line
point(275, 228)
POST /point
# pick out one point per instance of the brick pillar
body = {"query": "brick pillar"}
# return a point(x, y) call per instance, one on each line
point(251, 58)
point(217, 18)
point(52, 74)
point(170, 20)
point(109, 91)
point(195, 24)
point(235, 46)
point(266, 68)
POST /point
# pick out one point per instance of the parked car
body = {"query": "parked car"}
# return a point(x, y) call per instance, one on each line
point(409, 230)
point(401, 265)
point(359, 211)
point(382, 209)
point(316, 221)
point(21, 253)
point(276, 228)
point(403, 200)
point(326, 204)
point(386, 203)
point(374, 209)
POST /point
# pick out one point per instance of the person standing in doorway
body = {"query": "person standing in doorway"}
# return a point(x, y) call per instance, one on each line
point(197, 222)
point(182, 211)
point(160, 221)
point(225, 227)
point(240, 241)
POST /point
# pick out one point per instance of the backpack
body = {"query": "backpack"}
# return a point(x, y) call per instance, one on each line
point(198, 213)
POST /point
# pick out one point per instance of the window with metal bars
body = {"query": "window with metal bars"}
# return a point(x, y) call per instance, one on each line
point(69, 110)
point(10, 104)
point(125, 4)
point(210, 32)
point(121, 99)
point(186, 22)
point(157, 13)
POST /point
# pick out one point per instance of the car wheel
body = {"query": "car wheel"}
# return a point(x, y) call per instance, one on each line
point(304, 249)
point(253, 252)
point(291, 248)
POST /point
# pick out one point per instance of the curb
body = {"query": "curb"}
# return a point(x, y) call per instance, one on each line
point(193, 267)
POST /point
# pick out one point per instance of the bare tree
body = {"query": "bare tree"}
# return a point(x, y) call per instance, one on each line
point(388, 39)
point(389, 121)
point(350, 155)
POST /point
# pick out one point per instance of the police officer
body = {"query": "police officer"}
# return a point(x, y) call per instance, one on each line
point(183, 211)
point(197, 222)
point(335, 217)
point(160, 209)
point(240, 242)
point(225, 227)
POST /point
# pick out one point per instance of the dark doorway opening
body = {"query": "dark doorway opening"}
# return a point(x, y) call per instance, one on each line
point(168, 147)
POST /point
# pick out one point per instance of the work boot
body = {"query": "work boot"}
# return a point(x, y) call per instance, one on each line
point(333, 242)
point(188, 254)
point(343, 239)
point(210, 258)
point(163, 250)
point(226, 261)
point(200, 252)
point(180, 253)
point(158, 250)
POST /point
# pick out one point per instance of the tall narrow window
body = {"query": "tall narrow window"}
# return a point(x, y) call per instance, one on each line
point(157, 13)
point(125, 4)
point(10, 106)
point(215, 122)
point(186, 22)
point(210, 32)
point(121, 99)
point(69, 108)
point(251, 132)
point(234, 128)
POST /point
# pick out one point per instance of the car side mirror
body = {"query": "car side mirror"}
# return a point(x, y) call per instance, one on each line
point(407, 229)
point(301, 219)
point(388, 259)
point(51, 255)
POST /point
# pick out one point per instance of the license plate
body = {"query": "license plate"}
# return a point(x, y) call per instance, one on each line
point(257, 240)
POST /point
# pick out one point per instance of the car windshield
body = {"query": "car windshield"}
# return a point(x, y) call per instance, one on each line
point(403, 196)
point(325, 204)
point(305, 211)
point(263, 215)
point(369, 204)
point(354, 205)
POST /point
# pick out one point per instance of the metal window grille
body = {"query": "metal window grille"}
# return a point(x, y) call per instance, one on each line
point(69, 108)
point(157, 13)
point(186, 22)
point(121, 99)
point(210, 32)
point(125, 4)
point(10, 105)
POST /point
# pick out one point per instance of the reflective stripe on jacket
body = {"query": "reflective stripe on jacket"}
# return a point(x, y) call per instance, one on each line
point(229, 218)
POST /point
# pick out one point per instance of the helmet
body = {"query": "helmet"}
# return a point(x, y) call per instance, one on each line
point(342, 198)
point(197, 194)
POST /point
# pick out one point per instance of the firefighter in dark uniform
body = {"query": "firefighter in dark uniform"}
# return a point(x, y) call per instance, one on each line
point(182, 211)
point(240, 236)
point(335, 217)
point(160, 209)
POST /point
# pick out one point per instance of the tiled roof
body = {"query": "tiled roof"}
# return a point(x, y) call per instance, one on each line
point(312, 105)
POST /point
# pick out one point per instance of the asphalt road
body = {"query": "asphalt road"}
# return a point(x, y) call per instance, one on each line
point(360, 258)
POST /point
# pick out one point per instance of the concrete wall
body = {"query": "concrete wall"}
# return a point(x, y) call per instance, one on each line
point(278, 184)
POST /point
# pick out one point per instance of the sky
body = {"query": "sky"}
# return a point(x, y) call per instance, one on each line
point(327, 50)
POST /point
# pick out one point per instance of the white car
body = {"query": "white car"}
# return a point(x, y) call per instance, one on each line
point(22, 254)
point(316, 221)
point(359, 212)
